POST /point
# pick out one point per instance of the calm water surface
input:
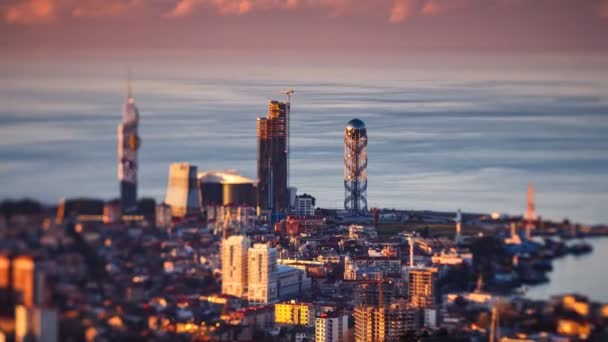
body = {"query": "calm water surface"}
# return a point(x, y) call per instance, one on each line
point(446, 131)
point(585, 274)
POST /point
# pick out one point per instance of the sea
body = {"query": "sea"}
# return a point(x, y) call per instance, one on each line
point(446, 130)
point(582, 274)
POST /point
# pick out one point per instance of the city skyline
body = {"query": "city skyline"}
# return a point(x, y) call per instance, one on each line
point(246, 216)
point(178, 102)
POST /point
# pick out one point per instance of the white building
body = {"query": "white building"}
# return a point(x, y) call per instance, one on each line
point(262, 274)
point(331, 327)
point(234, 265)
point(182, 190)
point(36, 324)
point(304, 206)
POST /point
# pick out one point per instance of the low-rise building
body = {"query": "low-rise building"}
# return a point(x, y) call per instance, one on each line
point(294, 313)
point(331, 326)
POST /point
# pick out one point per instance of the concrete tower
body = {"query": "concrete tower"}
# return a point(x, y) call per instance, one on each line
point(128, 143)
point(182, 191)
point(355, 167)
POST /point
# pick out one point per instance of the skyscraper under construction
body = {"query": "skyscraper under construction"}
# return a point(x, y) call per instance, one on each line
point(355, 167)
point(273, 135)
point(128, 143)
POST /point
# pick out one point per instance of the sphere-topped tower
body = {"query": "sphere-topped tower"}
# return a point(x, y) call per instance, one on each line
point(355, 167)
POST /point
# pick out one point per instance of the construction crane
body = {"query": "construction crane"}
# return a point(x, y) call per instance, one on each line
point(289, 93)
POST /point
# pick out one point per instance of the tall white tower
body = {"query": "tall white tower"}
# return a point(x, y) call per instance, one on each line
point(234, 265)
point(262, 275)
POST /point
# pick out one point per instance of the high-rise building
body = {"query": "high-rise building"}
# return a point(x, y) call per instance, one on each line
point(385, 324)
point(305, 206)
point(182, 192)
point(421, 287)
point(331, 326)
point(234, 265)
point(355, 167)
point(273, 136)
point(128, 143)
point(28, 282)
point(262, 274)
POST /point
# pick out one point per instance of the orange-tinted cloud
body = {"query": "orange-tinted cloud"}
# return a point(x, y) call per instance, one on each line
point(402, 10)
point(100, 8)
point(184, 7)
point(432, 7)
point(237, 7)
point(31, 12)
point(396, 11)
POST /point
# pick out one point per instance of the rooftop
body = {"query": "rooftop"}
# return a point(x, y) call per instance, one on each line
point(355, 124)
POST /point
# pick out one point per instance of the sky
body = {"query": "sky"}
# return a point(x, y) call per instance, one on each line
point(363, 25)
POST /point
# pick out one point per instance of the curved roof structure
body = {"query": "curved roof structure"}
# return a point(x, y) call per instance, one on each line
point(355, 124)
point(223, 177)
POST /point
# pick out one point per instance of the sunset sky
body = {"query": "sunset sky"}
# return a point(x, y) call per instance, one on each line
point(307, 24)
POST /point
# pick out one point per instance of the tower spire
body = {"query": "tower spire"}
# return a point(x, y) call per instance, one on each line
point(530, 216)
point(129, 94)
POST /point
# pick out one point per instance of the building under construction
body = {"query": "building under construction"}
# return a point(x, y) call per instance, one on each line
point(273, 154)
point(385, 323)
point(422, 286)
point(355, 168)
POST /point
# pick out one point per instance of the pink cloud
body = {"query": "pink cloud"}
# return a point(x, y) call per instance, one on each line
point(396, 11)
point(237, 7)
point(184, 8)
point(401, 10)
point(432, 7)
point(100, 8)
point(603, 9)
point(31, 12)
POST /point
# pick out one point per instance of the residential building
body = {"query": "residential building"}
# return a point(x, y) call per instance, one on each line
point(262, 275)
point(294, 313)
point(331, 326)
point(235, 251)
